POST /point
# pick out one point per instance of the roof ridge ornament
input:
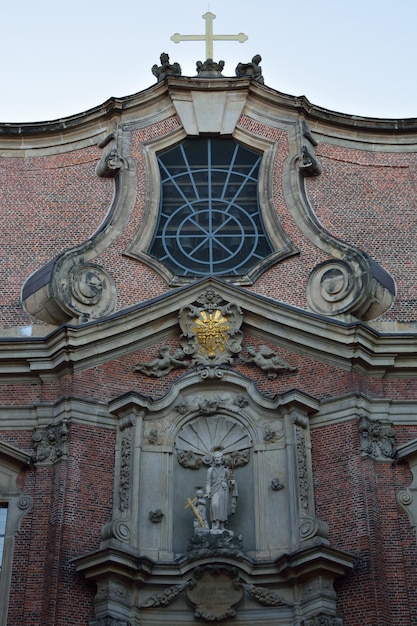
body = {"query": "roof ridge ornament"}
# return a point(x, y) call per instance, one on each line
point(209, 37)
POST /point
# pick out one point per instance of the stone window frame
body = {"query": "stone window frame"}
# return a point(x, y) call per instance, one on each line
point(215, 182)
point(280, 242)
point(12, 462)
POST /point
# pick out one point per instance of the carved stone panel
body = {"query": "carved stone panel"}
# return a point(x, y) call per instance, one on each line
point(214, 593)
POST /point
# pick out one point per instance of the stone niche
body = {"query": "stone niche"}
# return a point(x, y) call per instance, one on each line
point(213, 513)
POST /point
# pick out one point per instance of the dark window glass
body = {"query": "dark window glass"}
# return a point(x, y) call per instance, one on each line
point(209, 218)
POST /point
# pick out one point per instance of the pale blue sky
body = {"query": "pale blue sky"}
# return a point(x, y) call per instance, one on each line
point(60, 58)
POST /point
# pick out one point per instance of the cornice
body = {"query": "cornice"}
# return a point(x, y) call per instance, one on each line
point(347, 345)
point(14, 457)
point(153, 104)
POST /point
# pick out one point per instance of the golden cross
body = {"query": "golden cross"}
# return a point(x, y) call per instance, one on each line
point(191, 504)
point(209, 37)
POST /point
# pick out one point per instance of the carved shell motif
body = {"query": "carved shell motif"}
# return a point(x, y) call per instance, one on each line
point(207, 433)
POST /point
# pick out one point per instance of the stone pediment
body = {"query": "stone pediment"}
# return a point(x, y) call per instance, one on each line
point(152, 322)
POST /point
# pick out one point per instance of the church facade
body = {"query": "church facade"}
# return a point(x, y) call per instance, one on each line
point(208, 361)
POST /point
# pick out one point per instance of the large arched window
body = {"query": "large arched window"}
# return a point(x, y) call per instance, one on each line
point(209, 221)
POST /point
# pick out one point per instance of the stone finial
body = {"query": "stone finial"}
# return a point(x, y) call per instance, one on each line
point(251, 70)
point(210, 69)
point(166, 68)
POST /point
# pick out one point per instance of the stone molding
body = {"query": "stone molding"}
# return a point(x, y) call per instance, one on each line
point(71, 287)
point(350, 282)
point(331, 341)
point(12, 462)
point(407, 498)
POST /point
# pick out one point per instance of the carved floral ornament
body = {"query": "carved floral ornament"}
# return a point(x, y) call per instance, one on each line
point(211, 337)
point(377, 438)
point(214, 591)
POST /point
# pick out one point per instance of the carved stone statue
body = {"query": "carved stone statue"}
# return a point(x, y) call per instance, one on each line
point(166, 68)
point(222, 490)
point(267, 360)
point(251, 70)
point(164, 364)
point(200, 522)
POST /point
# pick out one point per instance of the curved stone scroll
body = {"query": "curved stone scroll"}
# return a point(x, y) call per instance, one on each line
point(350, 281)
point(336, 287)
point(407, 498)
point(72, 287)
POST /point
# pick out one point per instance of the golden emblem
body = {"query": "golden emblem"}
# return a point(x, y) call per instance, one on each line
point(211, 329)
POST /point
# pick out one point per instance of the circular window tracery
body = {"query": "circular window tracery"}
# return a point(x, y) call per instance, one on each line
point(209, 222)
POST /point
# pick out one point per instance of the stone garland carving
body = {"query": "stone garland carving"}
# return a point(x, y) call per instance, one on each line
point(165, 597)
point(188, 459)
point(377, 439)
point(212, 404)
point(265, 596)
point(302, 469)
point(251, 70)
point(166, 68)
point(51, 443)
point(267, 360)
point(164, 364)
point(124, 476)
